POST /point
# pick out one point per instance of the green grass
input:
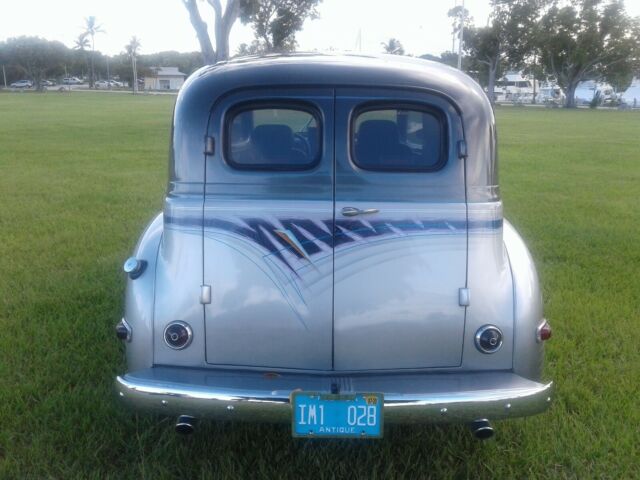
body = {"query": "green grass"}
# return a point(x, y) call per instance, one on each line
point(80, 176)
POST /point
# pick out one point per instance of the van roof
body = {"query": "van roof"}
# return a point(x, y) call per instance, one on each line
point(205, 86)
point(343, 70)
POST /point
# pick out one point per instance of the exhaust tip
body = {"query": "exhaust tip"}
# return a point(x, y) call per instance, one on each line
point(482, 429)
point(185, 425)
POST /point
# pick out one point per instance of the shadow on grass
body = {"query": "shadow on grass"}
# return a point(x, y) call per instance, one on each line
point(232, 449)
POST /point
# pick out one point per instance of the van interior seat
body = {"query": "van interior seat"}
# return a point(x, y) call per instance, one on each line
point(378, 145)
point(274, 143)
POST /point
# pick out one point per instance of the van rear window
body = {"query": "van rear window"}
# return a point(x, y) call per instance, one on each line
point(273, 138)
point(398, 139)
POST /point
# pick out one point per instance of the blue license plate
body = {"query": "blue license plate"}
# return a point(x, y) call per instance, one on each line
point(325, 415)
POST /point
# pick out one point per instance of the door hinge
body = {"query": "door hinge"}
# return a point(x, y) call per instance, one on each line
point(209, 145)
point(464, 298)
point(462, 149)
point(205, 294)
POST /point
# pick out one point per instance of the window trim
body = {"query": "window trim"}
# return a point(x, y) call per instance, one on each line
point(284, 104)
point(393, 105)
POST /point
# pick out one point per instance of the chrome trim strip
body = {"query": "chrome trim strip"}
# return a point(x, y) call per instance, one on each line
point(517, 397)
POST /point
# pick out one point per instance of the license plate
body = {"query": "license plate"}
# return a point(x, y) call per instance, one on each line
point(325, 415)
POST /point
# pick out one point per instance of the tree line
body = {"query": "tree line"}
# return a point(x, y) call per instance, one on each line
point(38, 59)
point(567, 41)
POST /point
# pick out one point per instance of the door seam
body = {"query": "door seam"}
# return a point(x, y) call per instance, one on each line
point(333, 239)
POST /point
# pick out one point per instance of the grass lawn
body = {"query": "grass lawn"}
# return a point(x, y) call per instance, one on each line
point(80, 176)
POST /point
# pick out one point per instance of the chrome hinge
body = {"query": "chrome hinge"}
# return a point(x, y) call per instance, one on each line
point(462, 149)
point(205, 294)
point(464, 297)
point(209, 145)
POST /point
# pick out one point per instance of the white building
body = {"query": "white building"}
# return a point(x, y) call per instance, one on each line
point(164, 78)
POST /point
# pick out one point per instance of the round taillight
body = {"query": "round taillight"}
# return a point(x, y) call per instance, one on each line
point(178, 335)
point(544, 331)
point(488, 339)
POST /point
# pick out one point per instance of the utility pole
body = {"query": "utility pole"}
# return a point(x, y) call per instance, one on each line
point(453, 31)
point(533, 74)
point(66, 75)
point(461, 32)
point(4, 75)
point(108, 75)
point(135, 72)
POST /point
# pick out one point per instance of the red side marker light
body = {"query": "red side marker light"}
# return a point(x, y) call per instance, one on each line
point(544, 331)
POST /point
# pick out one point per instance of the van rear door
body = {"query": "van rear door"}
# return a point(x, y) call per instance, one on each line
point(400, 231)
point(268, 226)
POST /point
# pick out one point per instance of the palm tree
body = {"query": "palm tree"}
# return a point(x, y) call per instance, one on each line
point(91, 29)
point(133, 48)
point(82, 44)
point(393, 46)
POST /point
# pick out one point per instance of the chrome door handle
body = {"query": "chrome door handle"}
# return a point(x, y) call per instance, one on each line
point(352, 211)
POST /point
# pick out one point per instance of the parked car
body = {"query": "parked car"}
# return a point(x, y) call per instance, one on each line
point(115, 83)
point(71, 81)
point(47, 83)
point(102, 84)
point(337, 258)
point(22, 84)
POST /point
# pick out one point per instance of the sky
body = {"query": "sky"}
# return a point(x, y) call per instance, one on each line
point(421, 25)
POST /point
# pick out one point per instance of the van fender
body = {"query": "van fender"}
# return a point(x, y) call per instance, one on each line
point(139, 298)
point(528, 352)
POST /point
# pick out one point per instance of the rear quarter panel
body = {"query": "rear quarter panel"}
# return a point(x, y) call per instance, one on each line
point(528, 312)
point(490, 286)
point(139, 298)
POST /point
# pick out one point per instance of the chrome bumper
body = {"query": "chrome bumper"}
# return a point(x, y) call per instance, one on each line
point(408, 398)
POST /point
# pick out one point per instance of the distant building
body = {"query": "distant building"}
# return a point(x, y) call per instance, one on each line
point(164, 78)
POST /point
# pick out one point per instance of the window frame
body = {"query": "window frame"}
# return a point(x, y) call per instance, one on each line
point(437, 113)
point(296, 105)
